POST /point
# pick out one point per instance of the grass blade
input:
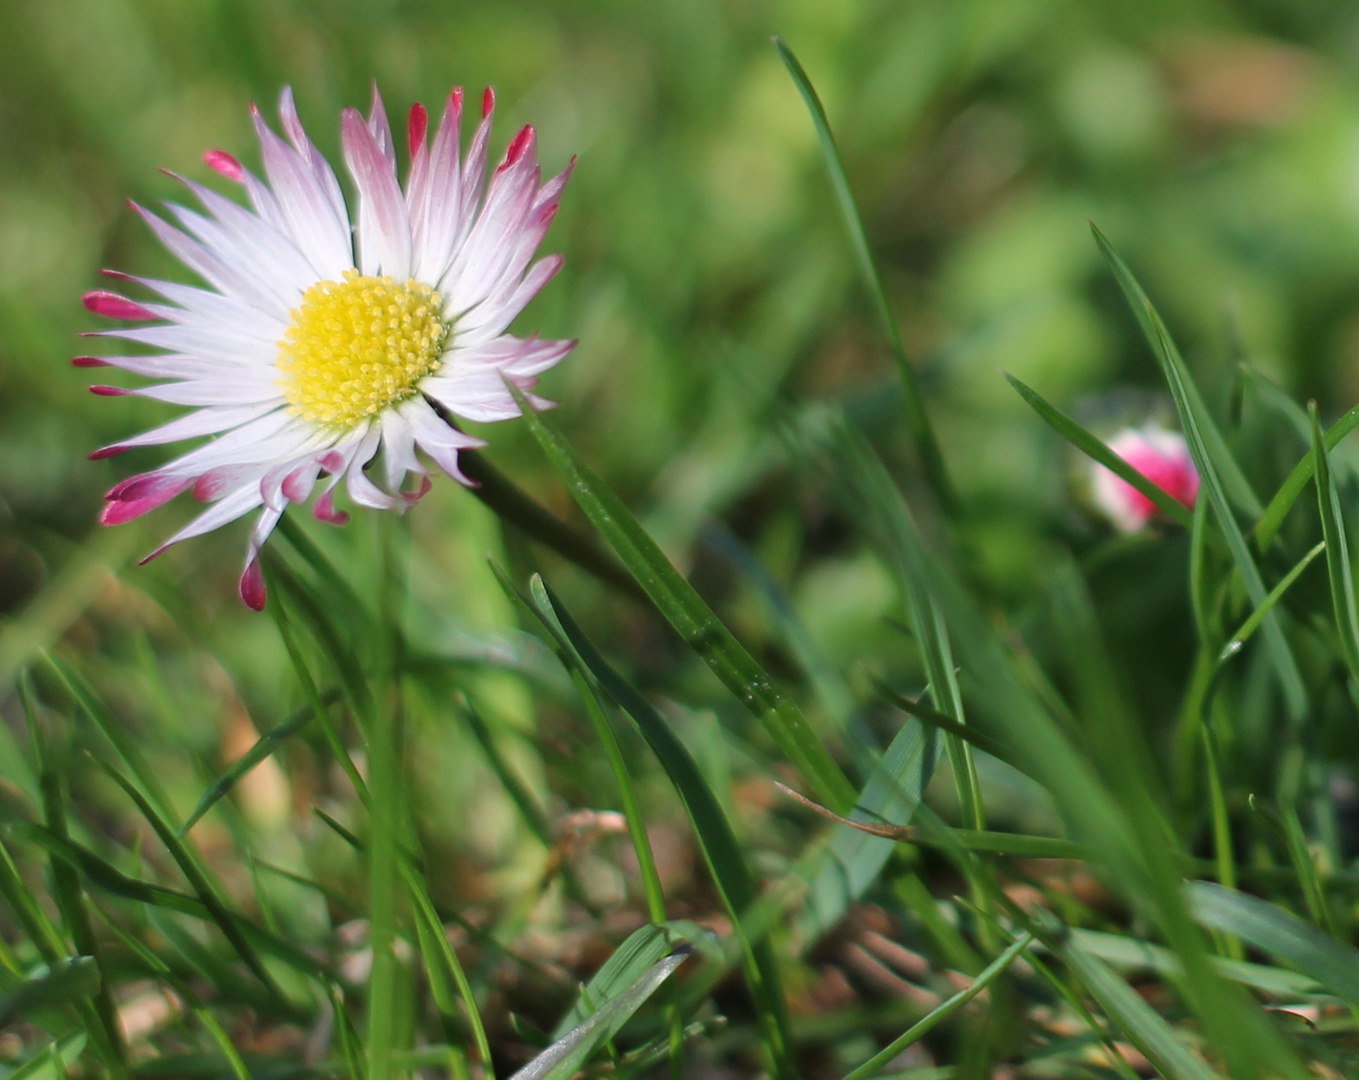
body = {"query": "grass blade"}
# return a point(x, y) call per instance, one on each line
point(1219, 475)
point(1273, 517)
point(563, 1059)
point(716, 840)
point(265, 746)
point(67, 983)
point(198, 881)
point(1270, 929)
point(643, 948)
point(1337, 549)
point(942, 1012)
point(1145, 1029)
point(691, 617)
point(65, 883)
point(1099, 452)
point(917, 418)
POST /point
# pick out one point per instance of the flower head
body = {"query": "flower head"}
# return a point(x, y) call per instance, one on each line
point(1159, 455)
point(320, 352)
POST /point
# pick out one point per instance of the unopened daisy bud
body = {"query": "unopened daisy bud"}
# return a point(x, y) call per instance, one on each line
point(317, 349)
point(1159, 455)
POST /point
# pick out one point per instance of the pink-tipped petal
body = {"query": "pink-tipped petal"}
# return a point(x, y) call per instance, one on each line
point(136, 495)
point(522, 142)
point(324, 510)
point(252, 586)
point(417, 124)
point(487, 103)
point(112, 306)
point(88, 362)
point(421, 490)
point(109, 391)
point(222, 163)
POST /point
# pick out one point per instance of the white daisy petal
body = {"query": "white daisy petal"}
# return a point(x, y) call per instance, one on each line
point(436, 215)
point(268, 246)
point(306, 206)
point(227, 509)
point(381, 130)
point(384, 236)
point(206, 421)
point(437, 439)
point(233, 281)
point(305, 370)
point(321, 171)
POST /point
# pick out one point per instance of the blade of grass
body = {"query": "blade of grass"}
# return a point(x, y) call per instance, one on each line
point(1099, 452)
point(66, 889)
point(265, 746)
point(1267, 527)
point(941, 1012)
point(691, 617)
point(1253, 620)
point(1219, 475)
point(1337, 548)
point(642, 949)
point(102, 875)
point(716, 840)
point(198, 881)
point(510, 504)
point(68, 983)
point(563, 1059)
point(434, 931)
point(1131, 954)
point(94, 707)
point(164, 972)
point(1145, 1029)
point(1270, 929)
point(988, 744)
point(917, 417)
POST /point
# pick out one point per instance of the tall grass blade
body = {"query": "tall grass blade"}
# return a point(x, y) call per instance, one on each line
point(265, 746)
point(716, 840)
point(563, 1059)
point(1269, 928)
point(68, 983)
point(917, 417)
point(691, 617)
point(198, 881)
point(1337, 549)
point(1219, 475)
point(1099, 452)
point(941, 1012)
point(1136, 856)
point(644, 948)
point(65, 883)
point(1143, 1026)
point(1267, 528)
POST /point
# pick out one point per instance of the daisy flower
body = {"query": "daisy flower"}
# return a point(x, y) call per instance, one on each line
point(1159, 455)
point(321, 352)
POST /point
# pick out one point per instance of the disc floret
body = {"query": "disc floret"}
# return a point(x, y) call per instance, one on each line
point(358, 346)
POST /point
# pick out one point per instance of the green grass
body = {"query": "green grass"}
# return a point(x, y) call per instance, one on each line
point(502, 784)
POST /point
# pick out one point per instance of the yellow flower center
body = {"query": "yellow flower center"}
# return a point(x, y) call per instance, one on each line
point(357, 346)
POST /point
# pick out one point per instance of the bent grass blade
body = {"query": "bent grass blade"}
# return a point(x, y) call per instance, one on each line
point(691, 617)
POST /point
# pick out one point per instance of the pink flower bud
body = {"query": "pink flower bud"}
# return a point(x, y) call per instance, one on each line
point(1159, 455)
